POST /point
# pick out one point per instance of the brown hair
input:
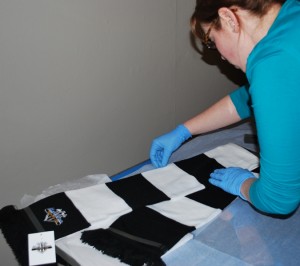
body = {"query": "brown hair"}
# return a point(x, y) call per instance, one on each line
point(206, 11)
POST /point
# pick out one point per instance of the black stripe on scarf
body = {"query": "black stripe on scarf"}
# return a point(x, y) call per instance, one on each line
point(17, 224)
point(137, 191)
point(140, 237)
point(201, 166)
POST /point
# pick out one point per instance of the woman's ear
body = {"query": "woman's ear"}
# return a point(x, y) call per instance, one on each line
point(229, 19)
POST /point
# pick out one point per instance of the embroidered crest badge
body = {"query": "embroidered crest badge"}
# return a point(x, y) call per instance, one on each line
point(55, 215)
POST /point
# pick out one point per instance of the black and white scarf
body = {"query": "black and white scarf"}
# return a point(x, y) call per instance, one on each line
point(135, 220)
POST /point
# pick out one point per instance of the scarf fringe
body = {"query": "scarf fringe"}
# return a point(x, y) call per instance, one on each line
point(15, 227)
point(127, 251)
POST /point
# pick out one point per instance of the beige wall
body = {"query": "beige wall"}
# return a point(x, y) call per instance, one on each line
point(86, 85)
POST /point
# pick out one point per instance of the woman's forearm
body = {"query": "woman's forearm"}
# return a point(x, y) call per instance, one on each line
point(221, 114)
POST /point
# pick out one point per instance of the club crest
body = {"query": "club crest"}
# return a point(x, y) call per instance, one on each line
point(55, 215)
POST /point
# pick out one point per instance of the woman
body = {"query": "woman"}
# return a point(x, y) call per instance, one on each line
point(262, 39)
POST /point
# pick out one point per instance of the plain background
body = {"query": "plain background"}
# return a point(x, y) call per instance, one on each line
point(86, 86)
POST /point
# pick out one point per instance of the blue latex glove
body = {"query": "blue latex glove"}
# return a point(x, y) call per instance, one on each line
point(163, 146)
point(230, 179)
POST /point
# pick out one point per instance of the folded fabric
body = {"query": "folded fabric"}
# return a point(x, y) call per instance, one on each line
point(98, 204)
point(174, 181)
point(145, 215)
point(186, 211)
point(55, 213)
point(239, 157)
point(141, 237)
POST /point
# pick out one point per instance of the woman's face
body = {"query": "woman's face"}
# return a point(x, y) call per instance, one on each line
point(227, 43)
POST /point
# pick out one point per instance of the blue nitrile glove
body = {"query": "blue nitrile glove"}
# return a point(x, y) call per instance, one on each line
point(230, 179)
point(163, 146)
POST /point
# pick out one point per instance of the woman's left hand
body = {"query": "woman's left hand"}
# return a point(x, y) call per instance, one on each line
point(230, 179)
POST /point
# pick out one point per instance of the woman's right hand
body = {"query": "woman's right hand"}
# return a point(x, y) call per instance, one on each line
point(163, 146)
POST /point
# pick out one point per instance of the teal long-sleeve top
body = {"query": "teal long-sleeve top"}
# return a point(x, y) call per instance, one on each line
point(273, 97)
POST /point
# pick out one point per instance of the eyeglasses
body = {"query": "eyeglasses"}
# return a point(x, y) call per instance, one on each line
point(207, 41)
